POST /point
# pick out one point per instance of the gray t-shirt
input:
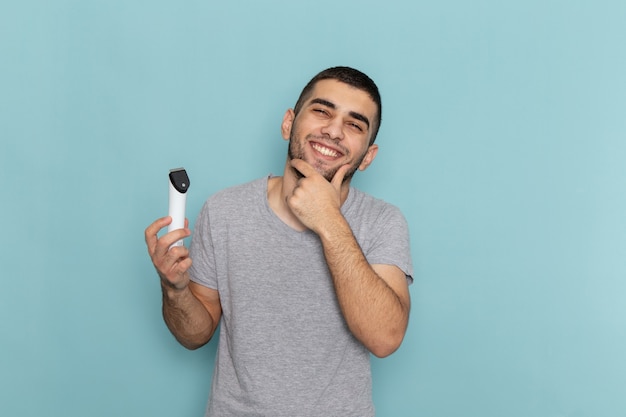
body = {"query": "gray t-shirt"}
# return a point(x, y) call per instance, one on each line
point(284, 348)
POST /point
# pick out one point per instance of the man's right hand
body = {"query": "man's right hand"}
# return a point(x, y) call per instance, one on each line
point(171, 264)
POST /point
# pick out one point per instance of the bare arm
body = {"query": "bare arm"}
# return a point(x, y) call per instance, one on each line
point(374, 299)
point(190, 311)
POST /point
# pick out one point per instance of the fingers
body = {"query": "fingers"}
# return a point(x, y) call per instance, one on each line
point(171, 262)
point(158, 246)
point(303, 167)
point(153, 229)
point(174, 262)
point(172, 267)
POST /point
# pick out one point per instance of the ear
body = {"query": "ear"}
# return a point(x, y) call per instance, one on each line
point(285, 127)
point(369, 157)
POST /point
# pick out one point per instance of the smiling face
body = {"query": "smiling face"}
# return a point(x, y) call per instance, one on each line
point(333, 128)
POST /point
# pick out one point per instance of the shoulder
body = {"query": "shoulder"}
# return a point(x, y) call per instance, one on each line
point(237, 195)
point(362, 204)
point(374, 218)
point(232, 200)
point(240, 191)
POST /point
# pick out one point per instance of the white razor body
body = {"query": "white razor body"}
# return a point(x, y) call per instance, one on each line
point(179, 184)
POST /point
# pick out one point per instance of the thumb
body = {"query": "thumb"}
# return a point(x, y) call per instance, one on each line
point(339, 176)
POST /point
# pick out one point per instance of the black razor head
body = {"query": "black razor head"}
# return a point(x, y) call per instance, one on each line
point(179, 179)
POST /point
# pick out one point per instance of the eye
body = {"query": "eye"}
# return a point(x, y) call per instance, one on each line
point(356, 126)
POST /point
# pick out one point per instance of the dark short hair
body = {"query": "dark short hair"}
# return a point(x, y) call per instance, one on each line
point(352, 77)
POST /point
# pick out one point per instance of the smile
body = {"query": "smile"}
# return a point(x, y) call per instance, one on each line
point(324, 150)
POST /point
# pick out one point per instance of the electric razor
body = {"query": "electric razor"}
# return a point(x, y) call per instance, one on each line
point(179, 184)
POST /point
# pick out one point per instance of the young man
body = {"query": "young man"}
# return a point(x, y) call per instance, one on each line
point(307, 274)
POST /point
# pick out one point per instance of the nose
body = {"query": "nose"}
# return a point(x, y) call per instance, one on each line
point(333, 128)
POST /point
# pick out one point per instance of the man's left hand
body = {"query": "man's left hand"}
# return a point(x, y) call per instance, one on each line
point(315, 201)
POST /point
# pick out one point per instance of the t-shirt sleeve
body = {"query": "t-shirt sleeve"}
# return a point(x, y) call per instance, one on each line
point(201, 251)
point(389, 243)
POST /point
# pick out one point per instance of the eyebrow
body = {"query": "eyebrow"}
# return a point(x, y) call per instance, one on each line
point(331, 105)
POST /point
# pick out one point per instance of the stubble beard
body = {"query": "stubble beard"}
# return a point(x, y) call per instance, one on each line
point(296, 151)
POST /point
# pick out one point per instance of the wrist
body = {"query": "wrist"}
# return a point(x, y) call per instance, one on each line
point(333, 227)
point(171, 290)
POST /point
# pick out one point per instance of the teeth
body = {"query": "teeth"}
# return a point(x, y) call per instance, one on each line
point(325, 151)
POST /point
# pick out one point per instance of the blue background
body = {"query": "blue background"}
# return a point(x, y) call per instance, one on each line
point(503, 142)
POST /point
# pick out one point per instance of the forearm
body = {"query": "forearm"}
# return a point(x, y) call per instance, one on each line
point(374, 312)
point(186, 317)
